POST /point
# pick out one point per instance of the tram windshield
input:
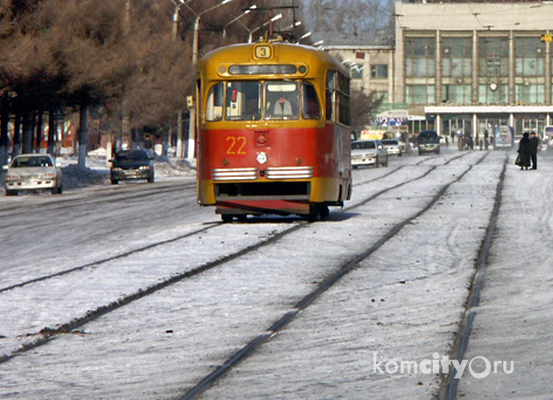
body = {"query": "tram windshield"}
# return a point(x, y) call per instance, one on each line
point(282, 100)
point(243, 100)
point(271, 100)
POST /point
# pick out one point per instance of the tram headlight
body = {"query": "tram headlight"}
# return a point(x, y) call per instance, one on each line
point(261, 157)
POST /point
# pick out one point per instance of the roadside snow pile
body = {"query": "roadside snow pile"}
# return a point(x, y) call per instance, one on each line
point(173, 167)
point(75, 177)
point(98, 173)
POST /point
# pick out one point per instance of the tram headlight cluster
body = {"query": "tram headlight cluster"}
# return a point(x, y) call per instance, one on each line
point(261, 157)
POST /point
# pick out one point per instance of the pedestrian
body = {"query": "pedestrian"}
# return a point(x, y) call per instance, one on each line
point(460, 144)
point(470, 142)
point(524, 151)
point(535, 146)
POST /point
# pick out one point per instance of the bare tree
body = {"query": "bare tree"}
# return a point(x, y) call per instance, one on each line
point(118, 55)
point(364, 107)
point(351, 18)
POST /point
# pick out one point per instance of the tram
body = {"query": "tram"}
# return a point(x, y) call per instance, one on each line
point(274, 134)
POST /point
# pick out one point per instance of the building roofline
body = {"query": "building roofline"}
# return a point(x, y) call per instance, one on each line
point(360, 47)
point(487, 109)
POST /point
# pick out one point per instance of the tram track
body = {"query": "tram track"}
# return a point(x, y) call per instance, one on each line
point(450, 382)
point(48, 334)
point(104, 260)
point(97, 197)
point(340, 271)
point(396, 169)
point(195, 232)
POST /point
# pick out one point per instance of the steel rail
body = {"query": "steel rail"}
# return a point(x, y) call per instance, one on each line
point(449, 382)
point(327, 283)
point(48, 334)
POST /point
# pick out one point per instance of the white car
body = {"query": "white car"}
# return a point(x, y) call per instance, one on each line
point(33, 172)
point(368, 152)
point(392, 146)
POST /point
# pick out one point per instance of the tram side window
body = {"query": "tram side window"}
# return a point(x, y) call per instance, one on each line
point(338, 94)
point(243, 101)
point(330, 88)
point(343, 108)
point(214, 108)
point(282, 99)
point(311, 106)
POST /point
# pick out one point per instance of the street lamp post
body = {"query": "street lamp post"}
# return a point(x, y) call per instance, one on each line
point(192, 107)
point(174, 34)
point(175, 19)
point(294, 25)
point(253, 7)
point(197, 26)
point(305, 36)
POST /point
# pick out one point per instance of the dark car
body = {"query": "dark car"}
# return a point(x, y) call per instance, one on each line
point(428, 141)
point(132, 164)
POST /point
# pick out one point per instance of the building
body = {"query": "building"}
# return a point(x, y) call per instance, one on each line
point(467, 66)
point(475, 65)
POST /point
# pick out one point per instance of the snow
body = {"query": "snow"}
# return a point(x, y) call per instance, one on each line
point(402, 303)
point(96, 171)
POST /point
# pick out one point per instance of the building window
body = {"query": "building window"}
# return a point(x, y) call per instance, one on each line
point(421, 94)
point(530, 56)
point(420, 56)
point(494, 56)
point(379, 71)
point(356, 71)
point(493, 94)
point(530, 94)
point(457, 94)
point(457, 57)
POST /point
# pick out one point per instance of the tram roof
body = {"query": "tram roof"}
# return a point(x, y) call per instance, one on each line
point(283, 53)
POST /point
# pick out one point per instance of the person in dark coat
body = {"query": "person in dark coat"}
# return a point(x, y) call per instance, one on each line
point(535, 145)
point(524, 151)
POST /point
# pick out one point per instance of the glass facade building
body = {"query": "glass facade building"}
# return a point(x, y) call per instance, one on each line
point(471, 66)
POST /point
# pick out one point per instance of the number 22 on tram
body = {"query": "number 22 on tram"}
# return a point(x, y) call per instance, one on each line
point(274, 135)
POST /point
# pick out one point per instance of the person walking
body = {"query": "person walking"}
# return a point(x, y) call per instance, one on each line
point(535, 146)
point(524, 151)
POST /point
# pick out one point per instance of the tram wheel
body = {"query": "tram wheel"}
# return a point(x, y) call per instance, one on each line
point(226, 218)
point(318, 212)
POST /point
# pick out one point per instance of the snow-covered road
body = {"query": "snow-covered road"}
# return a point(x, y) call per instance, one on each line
point(402, 303)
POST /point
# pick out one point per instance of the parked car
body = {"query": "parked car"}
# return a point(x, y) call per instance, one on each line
point(392, 147)
point(402, 138)
point(368, 152)
point(428, 141)
point(33, 172)
point(130, 165)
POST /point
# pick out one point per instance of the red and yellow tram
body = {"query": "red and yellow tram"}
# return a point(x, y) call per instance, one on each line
point(274, 134)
